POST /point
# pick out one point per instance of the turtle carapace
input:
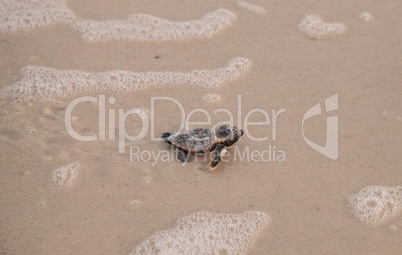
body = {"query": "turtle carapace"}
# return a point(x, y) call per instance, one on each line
point(203, 140)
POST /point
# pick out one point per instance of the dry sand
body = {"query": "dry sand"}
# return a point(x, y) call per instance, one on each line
point(113, 204)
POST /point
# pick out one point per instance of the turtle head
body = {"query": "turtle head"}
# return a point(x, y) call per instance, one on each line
point(230, 135)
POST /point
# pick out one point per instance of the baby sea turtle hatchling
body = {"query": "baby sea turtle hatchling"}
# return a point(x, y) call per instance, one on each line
point(203, 140)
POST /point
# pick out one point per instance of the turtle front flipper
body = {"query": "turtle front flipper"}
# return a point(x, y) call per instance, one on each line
point(183, 155)
point(166, 136)
point(220, 149)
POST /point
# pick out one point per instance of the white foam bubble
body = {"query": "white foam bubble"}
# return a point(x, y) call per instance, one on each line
point(314, 27)
point(65, 175)
point(31, 130)
point(366, 16)
point(134, 204)
point(146, 180)
point(251, 7)
point(142, 113)
point(211, 98)
point(46, 84)
point(146, 28)
point(375, 204)
point(207, 233)
point(24, 15)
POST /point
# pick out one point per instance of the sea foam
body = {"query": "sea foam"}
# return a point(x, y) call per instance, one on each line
point(251, 7)
point(207, 233)
point(211, 98)
point(24, 15)
point(375, 204)
point(314, 27)
point(65, 175)
point(47, 84)
point(145, 28)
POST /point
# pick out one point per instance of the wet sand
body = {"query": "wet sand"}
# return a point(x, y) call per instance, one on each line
point(305, 196)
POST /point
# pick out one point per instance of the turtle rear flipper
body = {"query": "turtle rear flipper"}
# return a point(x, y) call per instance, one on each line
point(183, 155)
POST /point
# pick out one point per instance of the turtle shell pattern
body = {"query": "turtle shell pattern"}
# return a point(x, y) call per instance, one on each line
point(195, 140)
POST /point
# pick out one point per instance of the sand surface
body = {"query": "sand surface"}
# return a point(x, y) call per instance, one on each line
point(114, 204)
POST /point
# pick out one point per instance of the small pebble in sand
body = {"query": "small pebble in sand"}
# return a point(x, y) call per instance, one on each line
point(31, 130)
point(134, 204)
point(64, 155)
point(77, 150)
point(47, 112)
point(48, 158)
point(393, 228)
point(41, 203)
point(366, 16)
point(32, 58)
point(26, 173)
point(146, 180)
